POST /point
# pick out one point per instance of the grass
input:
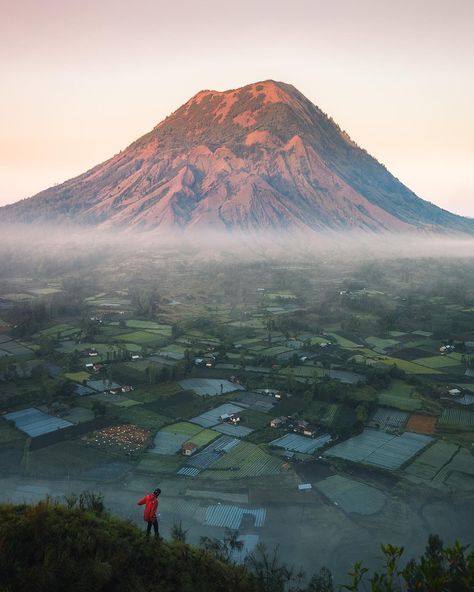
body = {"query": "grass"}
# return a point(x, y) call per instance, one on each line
point(400, 396)
point(437, 361)
point(150, 325)
point(245, 460)
point(409, 367)
point(398, 402)
point(62, 328)
point(141, 338)
point(8, 433)
point(159, 464)
point(322, 413)
point(77, 376)
point(343, 342)
point(144, 418)
point(73, 456)
point(254, 419)
point(184, 428)
point(204, 437)
point(381, 344)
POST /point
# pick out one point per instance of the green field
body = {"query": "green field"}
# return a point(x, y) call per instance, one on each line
point(245, 460)
point(204, 437)
point(409, 367)
point(400, 396)
point(144, 418)
point(322, 413)
point(147, 325)
point(254, 419)
point(8, 433)
point(184, 428)
point(457, 417)
point(437, 361)
point(381, 344)
point(141, 338)
point(78, 376)
point(160, 464)
point(343, 342)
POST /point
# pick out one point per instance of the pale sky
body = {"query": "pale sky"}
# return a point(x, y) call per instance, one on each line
point(80, 80)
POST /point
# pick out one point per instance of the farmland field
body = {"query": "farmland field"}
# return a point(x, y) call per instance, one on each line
point(204, 437)
point(437, 361)
point(245, 460)
point(184, 428)
point(381, 344)
point(322, 413)
point(409, 367)
point(141, 337)
point(422, 424)
point(457, 417)
point(432, 460)
point(144, 418)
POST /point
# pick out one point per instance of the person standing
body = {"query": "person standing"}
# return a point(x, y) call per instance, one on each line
point(150, 501)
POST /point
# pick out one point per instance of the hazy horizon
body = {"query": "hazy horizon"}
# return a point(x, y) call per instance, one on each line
point(81, 82)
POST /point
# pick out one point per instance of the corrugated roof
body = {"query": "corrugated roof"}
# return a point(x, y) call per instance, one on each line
point(380, 449)
point(209, 386)
point(188, 471)
point(298, 443)
point(211, 417)
point(36, 423)
point(233, 430)
point(226, 516)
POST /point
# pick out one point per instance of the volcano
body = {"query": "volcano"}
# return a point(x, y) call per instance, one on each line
point(258, 157)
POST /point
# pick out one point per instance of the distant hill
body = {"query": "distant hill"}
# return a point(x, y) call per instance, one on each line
point(258, 157)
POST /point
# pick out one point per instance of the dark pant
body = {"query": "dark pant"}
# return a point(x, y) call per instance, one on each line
point(154, 523)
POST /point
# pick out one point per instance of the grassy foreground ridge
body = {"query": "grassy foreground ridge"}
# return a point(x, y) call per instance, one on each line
point(52, 547)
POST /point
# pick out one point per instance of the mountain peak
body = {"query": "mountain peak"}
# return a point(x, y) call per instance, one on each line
point(259, 156)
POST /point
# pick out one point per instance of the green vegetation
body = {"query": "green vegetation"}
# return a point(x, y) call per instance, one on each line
point(99, 553)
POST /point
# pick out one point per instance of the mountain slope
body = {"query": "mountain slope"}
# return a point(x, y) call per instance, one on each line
point(49, 547)
point(262, 156)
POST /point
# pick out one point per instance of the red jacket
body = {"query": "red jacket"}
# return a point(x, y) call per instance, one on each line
point(151, 505)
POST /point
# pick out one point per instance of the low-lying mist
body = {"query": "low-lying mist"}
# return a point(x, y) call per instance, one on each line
point(78, 243)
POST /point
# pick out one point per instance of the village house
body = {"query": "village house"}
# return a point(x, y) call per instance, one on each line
point(278, 422)
point(188, 448)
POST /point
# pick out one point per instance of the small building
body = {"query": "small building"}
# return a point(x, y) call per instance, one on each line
point(229, 418)
point(277, 422)
point(454, 392)
point(188, 448)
